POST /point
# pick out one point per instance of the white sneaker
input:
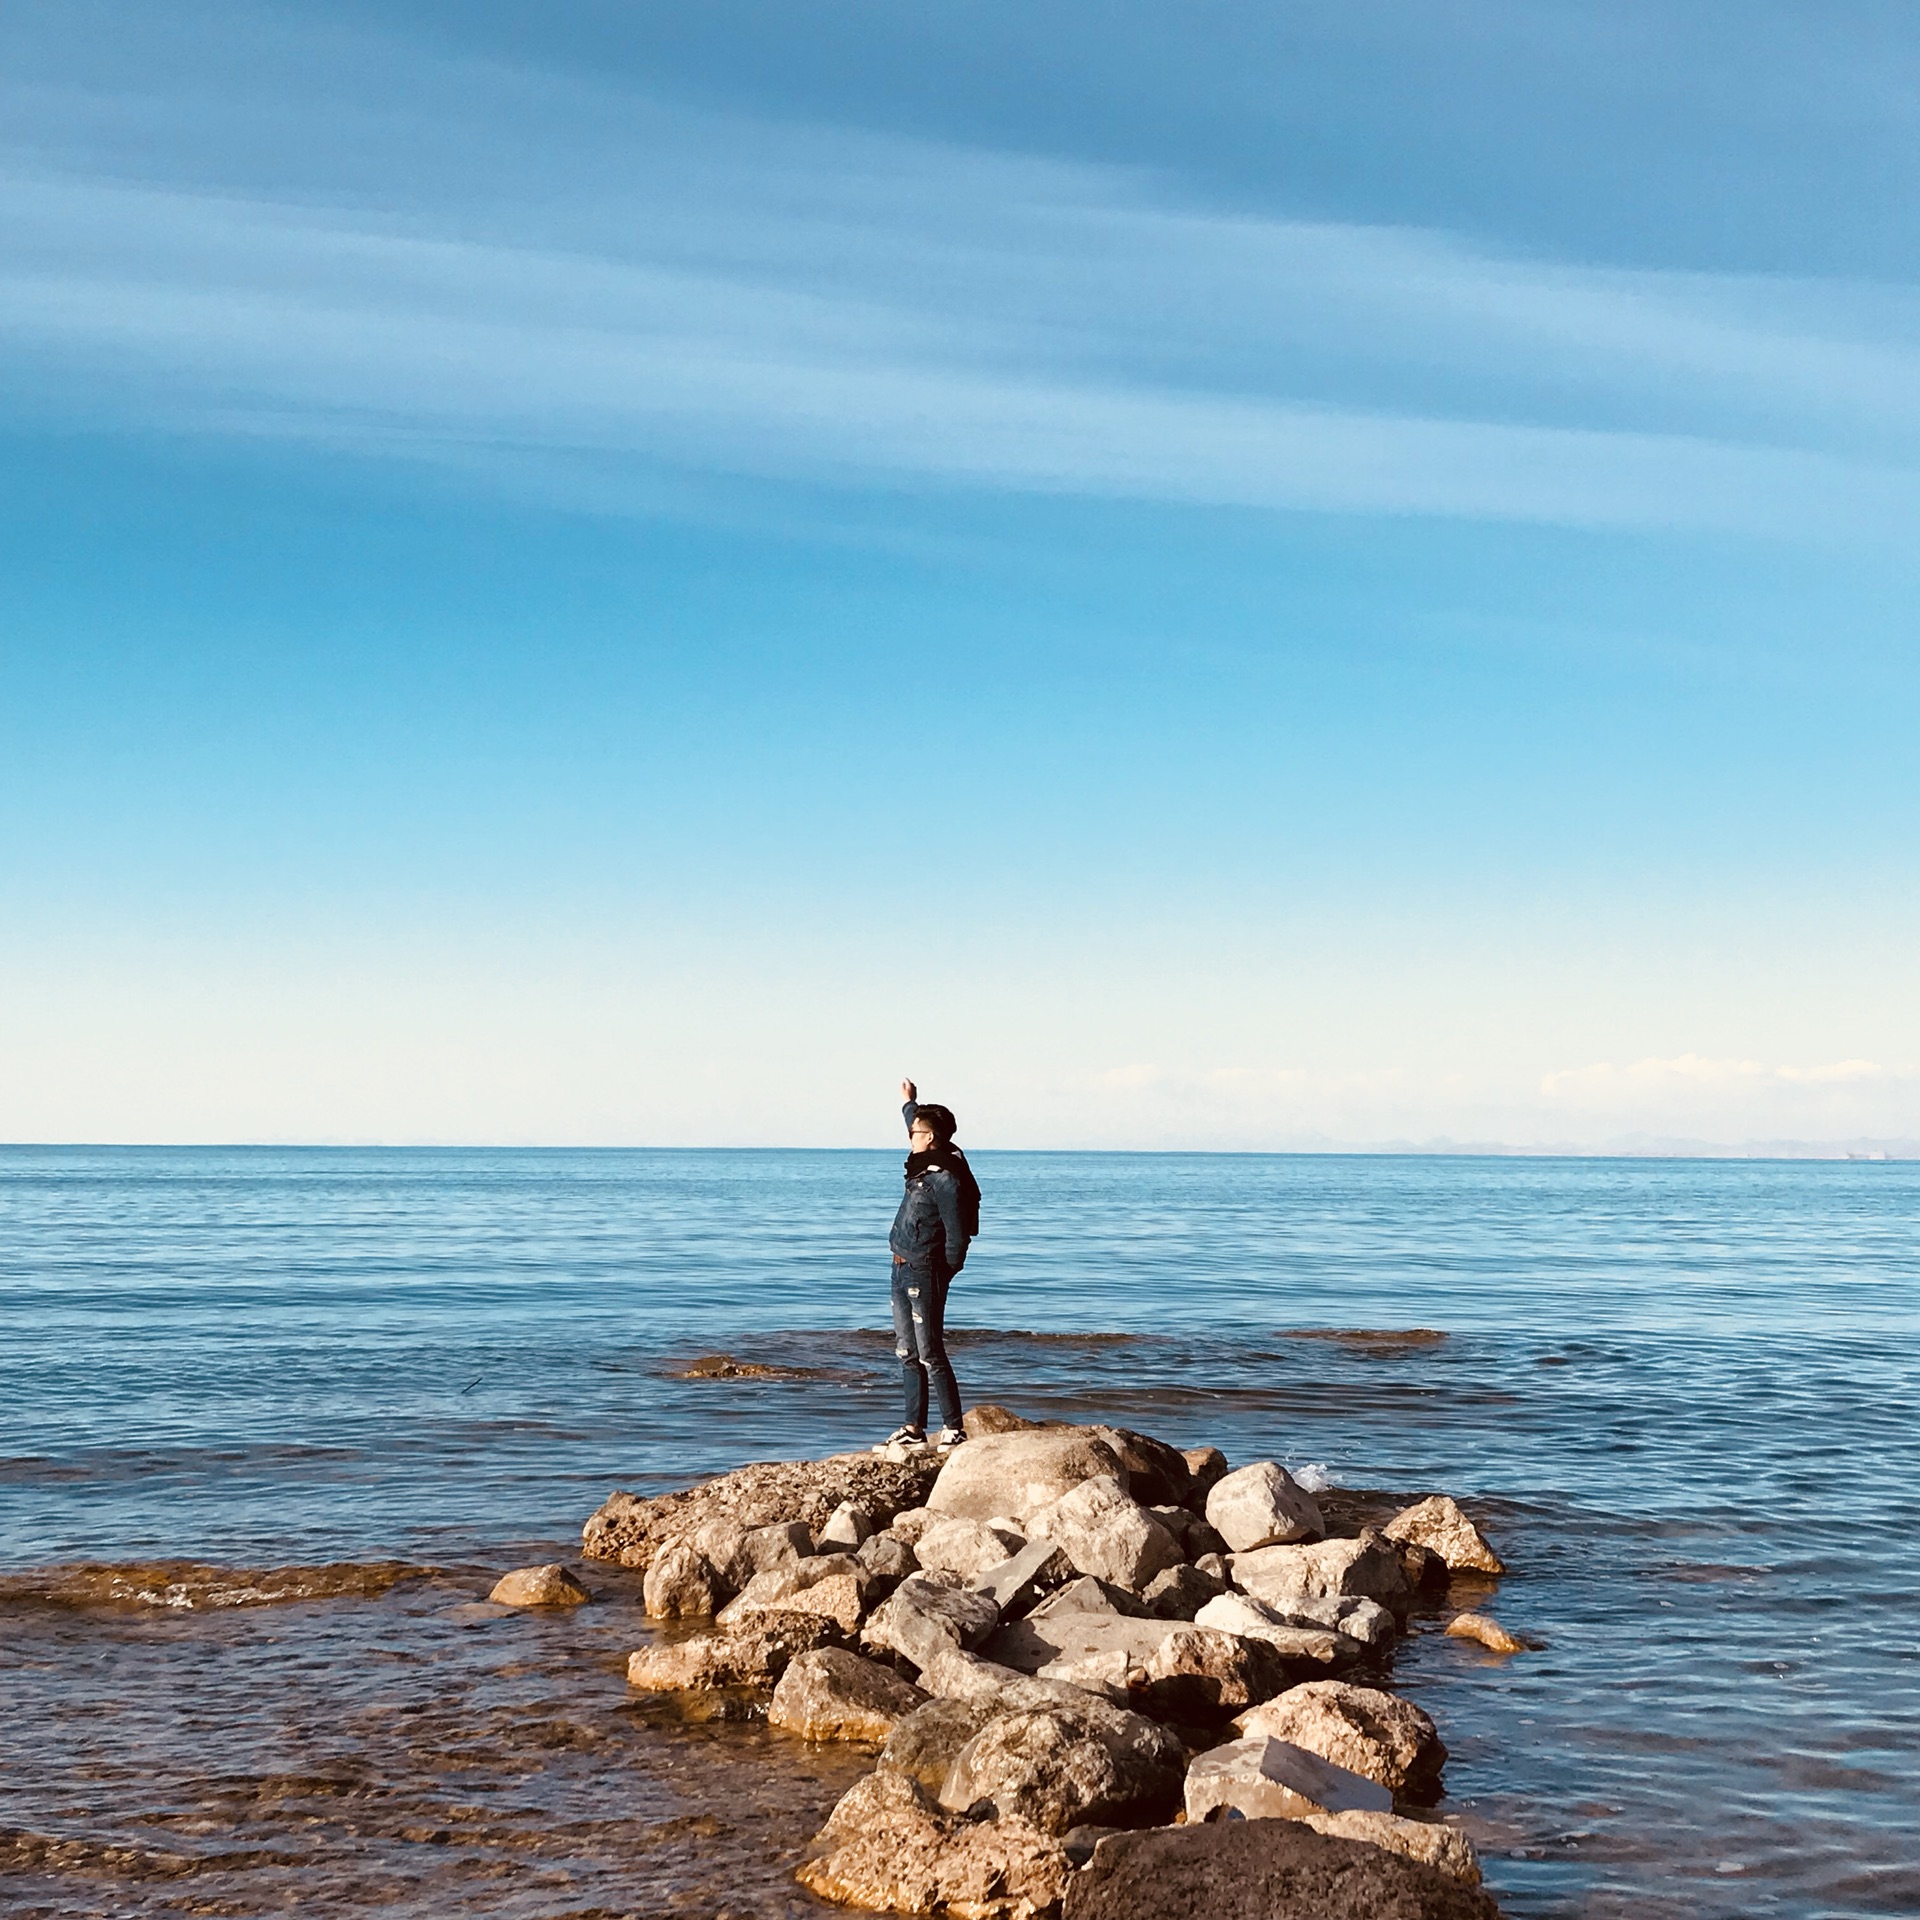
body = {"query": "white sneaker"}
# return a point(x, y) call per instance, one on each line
point(948, 1438)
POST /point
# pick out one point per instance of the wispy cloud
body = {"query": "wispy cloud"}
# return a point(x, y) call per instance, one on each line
point(659, 288)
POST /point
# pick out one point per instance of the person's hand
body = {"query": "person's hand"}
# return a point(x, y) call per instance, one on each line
point(908, 1091)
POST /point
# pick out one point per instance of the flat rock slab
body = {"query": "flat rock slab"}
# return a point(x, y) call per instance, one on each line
point(1014, 1475)
point(631, 1530)
point(1262, 1870)
point(1093, 1650)
point(1265, 1779)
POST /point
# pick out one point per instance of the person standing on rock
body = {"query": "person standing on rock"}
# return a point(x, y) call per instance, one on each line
point(939, 1213)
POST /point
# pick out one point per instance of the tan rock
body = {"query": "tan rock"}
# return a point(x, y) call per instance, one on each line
point(838, 1596)
point(682, 1581)
point(923, 1616)
point(1016, 1474)
point(1107, 1534)
point(1303, 1629)
point(1367, 1567)
point(846, 1530)
point(754, 1658)
point(886, 1849)
point(1484, 1628)
point(1155, 1472)
point(1200, 1673)
point(965, 1547)
point(1180, 1592)
point(1442, 1847)
point(1050, 1766)
point(1439, 1524)
point(548, 1586)
point(1266, 1779)
point(910, 1524)
point(1262, 1505)
point(1017, 1584)
point(1364, 1729)
point(801, 1492)
point(1205, 1466)
point(831, 1694)
point(928, 1741)
point(1102, 1652)
point(980, 1421)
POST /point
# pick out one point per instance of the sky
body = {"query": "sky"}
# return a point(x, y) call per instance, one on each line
point(1242, 576)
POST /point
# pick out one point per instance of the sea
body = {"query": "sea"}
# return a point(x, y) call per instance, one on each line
point(272, 1422)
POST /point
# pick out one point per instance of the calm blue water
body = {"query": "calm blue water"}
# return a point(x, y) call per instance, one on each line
point(1682, 1394)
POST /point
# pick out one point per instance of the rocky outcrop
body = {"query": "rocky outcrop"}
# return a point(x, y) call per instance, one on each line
point(886, 1848)
point(1265, 1779)
point(1262, 1870)
point(1369, 1731)
point(1424, 1840)
point(1106, 1533)
point(754, 1658)
point(548, 1586)
point(1262, 1505)
point(1014, 1475)
point(831, 1694)
point(1367, 1568)
point(1439, 1525)
point(632, 1530)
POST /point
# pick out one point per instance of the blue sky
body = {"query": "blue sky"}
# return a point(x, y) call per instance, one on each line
point(1243, 577)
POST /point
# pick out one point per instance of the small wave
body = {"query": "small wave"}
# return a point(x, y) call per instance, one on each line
point(187, 1586)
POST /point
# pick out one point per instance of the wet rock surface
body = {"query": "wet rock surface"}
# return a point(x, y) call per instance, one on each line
point(551, 1585)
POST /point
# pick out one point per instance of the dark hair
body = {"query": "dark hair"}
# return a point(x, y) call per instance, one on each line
point(940, 1119)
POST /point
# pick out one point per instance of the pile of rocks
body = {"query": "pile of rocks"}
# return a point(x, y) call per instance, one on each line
point(1055, 1635)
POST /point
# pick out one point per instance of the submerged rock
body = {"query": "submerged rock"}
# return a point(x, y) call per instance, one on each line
point(753, 1658)
point(1262, 1505)
point(1484, 1628)
point(1439, 1525)
point(1370, 1731)
point(1014, 1475)
point(1262, 1870)
point(886, 1848)
point(548, 1586)
point(1262, 1778)
point(830, 1694)
point(801, 1492)
point(1107, 1534)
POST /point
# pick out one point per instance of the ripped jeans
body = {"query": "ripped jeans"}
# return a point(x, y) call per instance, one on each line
point(919, 1338)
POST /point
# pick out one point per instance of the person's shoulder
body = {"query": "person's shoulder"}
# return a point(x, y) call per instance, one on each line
point(938, 1174)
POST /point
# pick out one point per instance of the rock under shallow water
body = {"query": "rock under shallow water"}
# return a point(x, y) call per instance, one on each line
point(1262, 1505)
point(753, 1658)
point(548, 1586)
point(886, 1848)
point(1439, 1525)
point(831, 1694)
point(1013, 1475)
point(1262, 1870)
point(1365, 1729)
point(804, 1492)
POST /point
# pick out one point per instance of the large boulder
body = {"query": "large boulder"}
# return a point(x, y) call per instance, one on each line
point(547, 1586)
point(966, 1547)
point(922, 1617)
point(1105, 1533)
point(1262, 1870)
point(1050, 1766)
point(1199, 1673)
point(927, 1742)
point(1265, 1779)
point(682, 1581)
point(755, 1658)
point(1368, 1568)
point(1015, 1474)
point(831, 1694)
point(1445, 1848)
point(1262, 1505)
point(1439, 1525)
point(1362, 1728)
point(833, 1584)
point(884, 1847)
point(632, 1530)
point(1157, 1474)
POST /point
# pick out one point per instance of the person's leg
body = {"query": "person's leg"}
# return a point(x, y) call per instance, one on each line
point(933, 1349)
point(906, 1344)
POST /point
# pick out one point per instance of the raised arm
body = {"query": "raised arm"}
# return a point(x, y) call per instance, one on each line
point(911, 1095)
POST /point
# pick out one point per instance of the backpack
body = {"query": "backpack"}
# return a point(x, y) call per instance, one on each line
point(969, 1192)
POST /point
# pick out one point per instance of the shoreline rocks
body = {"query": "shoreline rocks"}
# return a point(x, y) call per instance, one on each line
point(1056, 1639)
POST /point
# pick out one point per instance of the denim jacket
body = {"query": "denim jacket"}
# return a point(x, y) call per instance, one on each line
point(929, 1227)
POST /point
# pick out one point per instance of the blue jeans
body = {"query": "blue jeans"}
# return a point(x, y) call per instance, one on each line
point(919, 1338)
